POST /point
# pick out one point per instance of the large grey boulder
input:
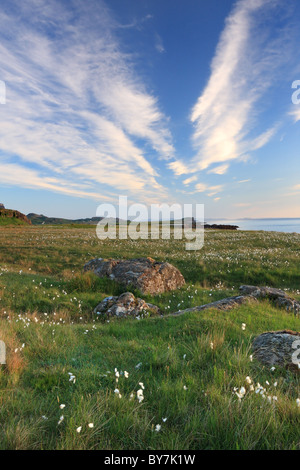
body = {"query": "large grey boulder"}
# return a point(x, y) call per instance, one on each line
point(125, 305)
point(278, 348)
point(145, 274)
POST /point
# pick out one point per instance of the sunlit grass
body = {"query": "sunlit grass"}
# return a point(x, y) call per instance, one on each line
point(189, 365)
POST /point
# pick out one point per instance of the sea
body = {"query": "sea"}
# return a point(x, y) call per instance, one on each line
point(270, 225)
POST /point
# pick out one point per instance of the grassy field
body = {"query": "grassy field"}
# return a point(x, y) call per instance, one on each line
point(72, 381)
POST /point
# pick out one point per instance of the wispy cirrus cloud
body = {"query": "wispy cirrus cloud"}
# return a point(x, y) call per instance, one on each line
point(75, 106)
point(190, 180)
point(210, 190)
point(295, 113)
point(248, 59)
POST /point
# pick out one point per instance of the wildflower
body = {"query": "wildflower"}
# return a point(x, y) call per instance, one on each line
point(243, 326)
point(298, 402)
point(157, 427)
point(91, 425)
point(79, 429)
point(140, 395)
point(62, 406)
point(72, 377)
point(241, 393)
point(164, 419)
point(185, 387)
point(61, 419)
point(126, 375)
point(248, 380)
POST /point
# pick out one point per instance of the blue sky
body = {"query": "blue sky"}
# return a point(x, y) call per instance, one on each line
point(163, 101)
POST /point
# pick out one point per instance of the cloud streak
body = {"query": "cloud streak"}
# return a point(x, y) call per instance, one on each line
point(248, 55)
point(75, 106)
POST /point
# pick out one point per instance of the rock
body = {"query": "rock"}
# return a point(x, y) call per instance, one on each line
point(256, 291)
point(12, 214)
point(223, 304)
point(278, 348)
point(125, 305)
point(145, 274)
point(249, 294)
point(278, 296)
point(221, 227)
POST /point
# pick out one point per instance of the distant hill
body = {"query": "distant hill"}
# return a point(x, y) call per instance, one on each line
point(12, 217)
point(37, 219)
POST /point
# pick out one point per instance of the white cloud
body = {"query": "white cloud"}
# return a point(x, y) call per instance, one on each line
point(244, 67)
point(179, 168)
point(210, 190)
point(201, 187)
point(219, 170)
point(190, 180)
point(75, 106)
point(27, 178)
point(295, 113)
point(159, 44)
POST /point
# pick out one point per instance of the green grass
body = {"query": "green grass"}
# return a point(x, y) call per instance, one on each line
point(11, 221)
point(189, 365)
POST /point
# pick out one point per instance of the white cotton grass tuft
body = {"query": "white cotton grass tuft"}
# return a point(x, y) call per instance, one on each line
point(61, 419)
point(140, 395)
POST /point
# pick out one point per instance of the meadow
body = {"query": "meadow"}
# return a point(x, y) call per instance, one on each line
point(75, 381)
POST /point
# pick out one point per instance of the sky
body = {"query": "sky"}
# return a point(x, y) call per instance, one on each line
point(162, 101)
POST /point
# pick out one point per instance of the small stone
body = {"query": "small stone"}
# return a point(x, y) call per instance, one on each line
point(125, 305)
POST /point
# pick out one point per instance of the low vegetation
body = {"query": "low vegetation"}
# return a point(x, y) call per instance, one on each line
point(75, 381)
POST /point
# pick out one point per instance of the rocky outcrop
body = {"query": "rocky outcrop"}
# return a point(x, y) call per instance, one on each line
point(278, 348)
point(126, 305)
point(2, 206)
point(250, 294)
point(12, 214)
point(277, 296)
point(145, 274)
point(221, 227)
point(223, 304)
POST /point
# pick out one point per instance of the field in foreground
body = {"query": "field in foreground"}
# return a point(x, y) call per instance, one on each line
point(186, 368)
